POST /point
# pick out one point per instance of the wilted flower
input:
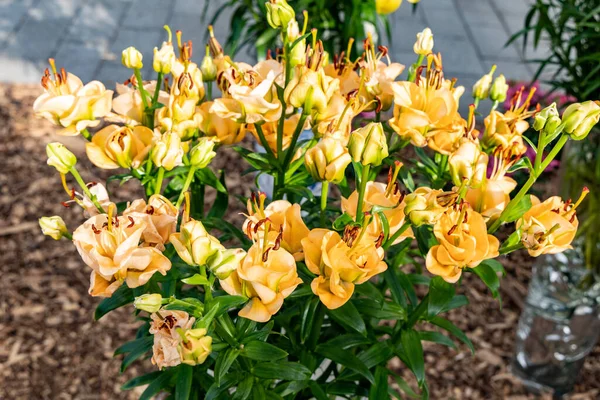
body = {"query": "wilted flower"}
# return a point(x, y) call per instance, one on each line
point(266, 276)
point(463, 242)
point(160, 216)
point(280, 216)
point(194, 244)
point(424, 43)
point(368, 145)
point(66, 102)
point(469, 164)
point(549, 227)
point(580, 118)
point(426, 206)
point(167, 151)
point(166, 326)
point(224, 130)
point(60, 157)
point(150, 302)
point(132, 58)
point(327, 161)
point(341, 263)
point(111, 247)
point(54, 227)
point(114, 146)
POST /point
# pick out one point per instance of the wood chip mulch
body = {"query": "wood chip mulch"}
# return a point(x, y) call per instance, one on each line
point(50, 347)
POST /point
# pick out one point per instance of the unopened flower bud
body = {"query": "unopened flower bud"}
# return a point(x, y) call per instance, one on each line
point(499, 89)
point(195, 346)
point(425, 205)
point(148, 302)
point(223, 263)
point(481, 88)
point(327, 161)
point(202, 153)
point(542, 118)
point(580, 118)
point(132, 58)
point(167, 152)
point(298, 52)
point(368, 144)
point(424, 43)
point(194, 244)
point(208, 67)
point(468, 163)
point(384, 7)
point(60, 157)
point(279, 13)
point(54, 227)
point(163, 58)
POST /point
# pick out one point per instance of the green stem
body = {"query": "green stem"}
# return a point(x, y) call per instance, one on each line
point(554, 152)
point(510, 249)
point(378, 116)
point(413, 70)
point(263, 140)
point(138, 77)
point(324, 192)
point(85, 189)
point(414, 317)
point(186, 185)
point(159, 179)
point(512, 203)
point(475, 103)
point(86, 134)
point(67, 235)
point(209, 91)
point(292, 149)
point(157, 89)
point(396, 235)
point(361, 192)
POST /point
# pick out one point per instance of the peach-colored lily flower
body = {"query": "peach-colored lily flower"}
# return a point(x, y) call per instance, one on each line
point(160, 216)
point(128, 102)
point(464, 242)
point(225, 131)
point(66, 102)
point(340, 263)
point(114, 146)
point(111, 247)
point(270, 131)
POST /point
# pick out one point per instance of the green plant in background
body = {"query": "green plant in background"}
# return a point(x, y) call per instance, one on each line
point(572, 30)
point(339, 22)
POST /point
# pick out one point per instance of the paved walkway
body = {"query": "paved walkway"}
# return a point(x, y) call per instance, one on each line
point(87, 36)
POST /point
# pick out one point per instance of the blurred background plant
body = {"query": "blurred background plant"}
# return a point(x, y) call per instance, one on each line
point(337, 22)
point(571, 31)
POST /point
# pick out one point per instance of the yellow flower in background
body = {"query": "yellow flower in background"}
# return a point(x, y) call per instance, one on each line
point(328, 160)
point(280, 216)
point(167, 151)
point(114, 146)
point(463, 242)
point(110, 246)
point(160, 216)
point(384, 7)
point(340, 263)
point(194, 244)
point(66, 102)
point(225, 131)
point(549, 227)
point(266, 276)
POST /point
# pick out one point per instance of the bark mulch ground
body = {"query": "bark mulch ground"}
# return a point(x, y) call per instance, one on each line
point(50, 347)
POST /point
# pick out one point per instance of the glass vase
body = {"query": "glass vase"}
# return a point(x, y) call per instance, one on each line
point(560, 324)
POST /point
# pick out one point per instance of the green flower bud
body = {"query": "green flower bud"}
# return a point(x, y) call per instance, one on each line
point(60, 157)
point(208, 67)
point(223, 263)
point(481, 89)
point(54, 227)
point(541, 119)
point(580, 118)
point(132, 58)
point(279, 13)
point(499, 89)
point(202, 153)
point(164, 59)
point(148, 302)
point(368, 144)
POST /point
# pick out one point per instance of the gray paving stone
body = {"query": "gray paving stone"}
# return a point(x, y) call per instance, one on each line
point(112, 72)
point(148, 14)
point(447, 23)
point(11, 15)
point(511, 69)
point(144, 41)
point(19, 70)
point(458, 56)
point(404, 33)
point(97, 22)
point(37, 39)
point(483, 15)
point(491, 42)
point(195, 7)
point(81, 60)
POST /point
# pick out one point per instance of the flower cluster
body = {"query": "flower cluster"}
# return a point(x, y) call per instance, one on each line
point(299, 260)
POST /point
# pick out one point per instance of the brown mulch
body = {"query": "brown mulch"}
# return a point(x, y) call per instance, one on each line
point(50, 347)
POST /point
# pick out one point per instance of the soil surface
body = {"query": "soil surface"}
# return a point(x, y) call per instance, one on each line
point(51, 348)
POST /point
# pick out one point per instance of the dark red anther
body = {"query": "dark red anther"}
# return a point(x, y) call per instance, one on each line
point(131, 222)
point(383, 50)
point(91, 184)
point(105, 225)
point(451, 231)
point(265, 255)
point(65, 204)
point(379, 240)
point(259, 224)
point(116, 222)
point(379, 104)
point(150, 210)
point(72, 193)
point(96, 230)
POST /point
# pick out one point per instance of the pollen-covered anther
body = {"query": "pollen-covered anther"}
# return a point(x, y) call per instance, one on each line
point(131, 222)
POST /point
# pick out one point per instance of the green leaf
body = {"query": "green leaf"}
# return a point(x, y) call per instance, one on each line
point(141, 380)
point(347, 341)
point(450, 327)
point(261, 351)
point(214, 391)
point(349, 317)
point(206, 176)
point(411, 344)
point(395, 286)
point(513, 242)
point(224, 362)
point(380, 389)
point(387, 310)
point(285, 370)
point(523, 163)
point(340, 222)
point(440, 293)
point(122, 296)
point(225, 303)
point(437, 337)
point(317, 391)
point(346, 359)
point(519, 209)
point(308, 317)
point(244, 389)
point(133, 345)
point(369, 291)
point(407, 179)
point(183, 384)
point(489, 277)
point(404, 386)
point(159, 383)
point(456, 302)
point(196, 279)
point(219, 207)
point(425, 238)
point(495, 265)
